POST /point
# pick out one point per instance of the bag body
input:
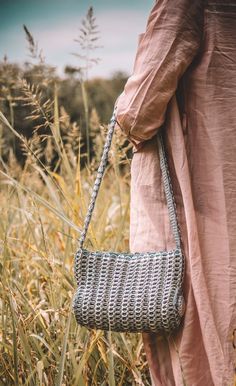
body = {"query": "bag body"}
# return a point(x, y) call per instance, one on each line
point(130, 292)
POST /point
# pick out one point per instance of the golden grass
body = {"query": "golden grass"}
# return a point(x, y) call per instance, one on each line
point(42, 212)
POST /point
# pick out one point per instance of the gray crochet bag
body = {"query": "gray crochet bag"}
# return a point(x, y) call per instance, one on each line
point(130, 292)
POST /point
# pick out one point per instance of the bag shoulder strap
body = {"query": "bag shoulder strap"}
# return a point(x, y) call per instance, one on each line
point(166, 180)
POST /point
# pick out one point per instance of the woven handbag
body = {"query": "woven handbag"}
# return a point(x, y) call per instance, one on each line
point(130, 292)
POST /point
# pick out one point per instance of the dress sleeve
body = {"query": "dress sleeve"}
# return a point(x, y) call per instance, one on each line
point(165, 50)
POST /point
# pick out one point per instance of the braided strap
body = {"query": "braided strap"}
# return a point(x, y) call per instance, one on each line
point(166, 178)
point(169, 192)
point(97, 183)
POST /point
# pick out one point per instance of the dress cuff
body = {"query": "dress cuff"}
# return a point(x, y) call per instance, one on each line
point(136, 142)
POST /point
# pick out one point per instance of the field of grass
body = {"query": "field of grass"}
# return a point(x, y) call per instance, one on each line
point(43, 201)
point(42, 212)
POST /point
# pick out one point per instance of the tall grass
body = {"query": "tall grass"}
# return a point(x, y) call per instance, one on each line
point(43, 205)
point(42, 211)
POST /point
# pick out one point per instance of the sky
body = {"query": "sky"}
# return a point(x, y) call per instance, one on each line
point(55, 24)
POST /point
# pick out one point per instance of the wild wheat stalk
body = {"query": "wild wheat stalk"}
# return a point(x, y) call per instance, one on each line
point(33, 46)
point(86, 40)
point(32, 96)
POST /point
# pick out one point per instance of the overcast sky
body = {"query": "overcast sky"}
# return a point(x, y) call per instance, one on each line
point(55, 24)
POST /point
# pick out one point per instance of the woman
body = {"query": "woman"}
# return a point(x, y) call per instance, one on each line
point(184, 80)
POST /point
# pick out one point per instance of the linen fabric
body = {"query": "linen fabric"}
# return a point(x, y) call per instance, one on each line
point(184, 78)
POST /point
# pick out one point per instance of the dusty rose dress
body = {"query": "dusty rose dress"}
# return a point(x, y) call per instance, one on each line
point(184, 78)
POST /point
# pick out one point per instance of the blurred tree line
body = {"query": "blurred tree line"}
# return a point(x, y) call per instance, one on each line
point(21, 86)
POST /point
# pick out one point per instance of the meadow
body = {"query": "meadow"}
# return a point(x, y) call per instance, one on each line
point(48, 166)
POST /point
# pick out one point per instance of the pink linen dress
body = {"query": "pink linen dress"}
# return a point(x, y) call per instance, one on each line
point(184, 78)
